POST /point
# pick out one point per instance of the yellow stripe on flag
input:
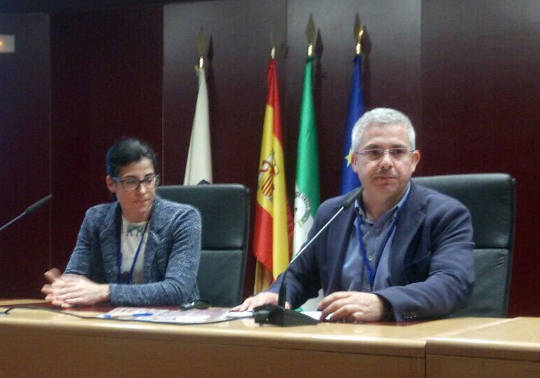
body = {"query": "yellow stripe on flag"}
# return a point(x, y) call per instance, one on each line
point(271, 241)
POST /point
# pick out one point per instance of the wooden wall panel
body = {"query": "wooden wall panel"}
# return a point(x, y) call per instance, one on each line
point(238, 58)
point(106, 70)
point(239, 54)
point(391, 72)
point(481, 86)
point(25, 78)
point(466, 72)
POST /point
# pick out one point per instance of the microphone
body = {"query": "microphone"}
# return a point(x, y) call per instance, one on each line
point(278, 314)
point(29, 209)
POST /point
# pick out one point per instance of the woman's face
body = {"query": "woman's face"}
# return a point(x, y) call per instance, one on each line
point(136, 197)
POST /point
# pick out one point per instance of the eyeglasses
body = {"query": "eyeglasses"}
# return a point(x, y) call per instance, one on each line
point(396, 153)
point(131, 183)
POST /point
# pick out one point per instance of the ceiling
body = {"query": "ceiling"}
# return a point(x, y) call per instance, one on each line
point(54, 6)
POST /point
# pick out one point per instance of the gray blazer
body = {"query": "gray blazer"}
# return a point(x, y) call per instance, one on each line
point(171, 258)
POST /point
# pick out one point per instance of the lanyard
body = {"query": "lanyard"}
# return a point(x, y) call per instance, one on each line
point(372, 271)
point(120, 277)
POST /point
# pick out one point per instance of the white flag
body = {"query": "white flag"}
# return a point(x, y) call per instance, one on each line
point(199, 161)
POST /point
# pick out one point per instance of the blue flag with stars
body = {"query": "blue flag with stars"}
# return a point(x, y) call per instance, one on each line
point(349, 179)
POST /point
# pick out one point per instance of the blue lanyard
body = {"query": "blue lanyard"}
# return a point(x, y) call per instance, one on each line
point(120, 277)
point(372, 271)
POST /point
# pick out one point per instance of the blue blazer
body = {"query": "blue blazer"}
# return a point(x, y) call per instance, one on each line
point(431, 271)
point(171, 258)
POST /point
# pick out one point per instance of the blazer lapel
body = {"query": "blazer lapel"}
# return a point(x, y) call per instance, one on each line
point(154, 240)
point(336, 246)
point(409, 222)
point(110, 241)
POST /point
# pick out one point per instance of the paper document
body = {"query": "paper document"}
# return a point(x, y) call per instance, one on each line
point(240, 314)
point(144, 314)
point(313, 314)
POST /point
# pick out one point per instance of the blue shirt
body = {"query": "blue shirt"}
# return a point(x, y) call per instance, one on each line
point(354, 276)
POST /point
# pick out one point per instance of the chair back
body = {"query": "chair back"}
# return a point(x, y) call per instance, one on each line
point(225, 211)
point(490, 197)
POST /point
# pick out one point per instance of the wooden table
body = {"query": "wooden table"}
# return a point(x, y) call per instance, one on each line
point(37, 343)
point(510, 348)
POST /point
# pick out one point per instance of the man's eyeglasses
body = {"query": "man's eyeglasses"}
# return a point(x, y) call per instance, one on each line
point(131, 183)
point(396, 153)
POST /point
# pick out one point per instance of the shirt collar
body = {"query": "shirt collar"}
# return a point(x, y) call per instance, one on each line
point(362, 214)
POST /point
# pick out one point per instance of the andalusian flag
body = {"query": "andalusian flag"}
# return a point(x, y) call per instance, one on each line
point(199, 161)
point(306, 201)
point(271, 235)
point(349, 179)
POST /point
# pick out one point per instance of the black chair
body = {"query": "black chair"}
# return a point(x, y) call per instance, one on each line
point(224, 210)
point(490, 198)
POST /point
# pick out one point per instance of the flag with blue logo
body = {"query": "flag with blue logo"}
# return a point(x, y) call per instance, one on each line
point(349, 179)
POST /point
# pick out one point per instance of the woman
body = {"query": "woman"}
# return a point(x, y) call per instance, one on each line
point(138, 250)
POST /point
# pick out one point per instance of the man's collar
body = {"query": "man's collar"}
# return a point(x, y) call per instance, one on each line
point(359, 206)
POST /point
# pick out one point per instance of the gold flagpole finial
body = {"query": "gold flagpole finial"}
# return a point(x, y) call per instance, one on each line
point(272, 42)
point(311, 34)
point(202, 46)
point(358, 33)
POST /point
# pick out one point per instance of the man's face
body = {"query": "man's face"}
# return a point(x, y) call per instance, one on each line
point(386, 178)
point(136, 203)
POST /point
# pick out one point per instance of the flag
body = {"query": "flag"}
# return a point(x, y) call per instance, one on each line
point(199, 161)
point(349, 179)
point(306, 201)
point(271, 244)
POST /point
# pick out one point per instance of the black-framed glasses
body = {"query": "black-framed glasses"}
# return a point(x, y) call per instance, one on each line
point(396, 153)
point(131, 183)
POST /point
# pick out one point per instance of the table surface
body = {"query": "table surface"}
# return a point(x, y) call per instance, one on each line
point(407, 339)
point(517, 338)
point(95, 347)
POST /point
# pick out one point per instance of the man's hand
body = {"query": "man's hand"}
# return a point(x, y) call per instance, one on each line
point(67, 290)
point(256, 301)
point(352, 306)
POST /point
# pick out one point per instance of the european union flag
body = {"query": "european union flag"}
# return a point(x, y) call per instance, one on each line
point(349, 179)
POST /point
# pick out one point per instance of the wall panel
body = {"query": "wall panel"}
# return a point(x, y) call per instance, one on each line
point(481, 85)
point(238, 57)
point(391, 72)
point(25, 78)
point(466, 72)
point(106, 70)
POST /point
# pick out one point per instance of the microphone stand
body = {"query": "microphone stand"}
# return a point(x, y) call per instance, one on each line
point(278, 314)
point(28, 210)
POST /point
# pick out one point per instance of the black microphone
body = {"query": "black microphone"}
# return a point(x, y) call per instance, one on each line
point(278, 314)
point(28, 210)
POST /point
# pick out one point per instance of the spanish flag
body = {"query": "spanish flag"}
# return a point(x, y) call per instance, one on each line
point(271, 242)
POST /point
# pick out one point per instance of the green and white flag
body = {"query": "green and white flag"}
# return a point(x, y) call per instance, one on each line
point(307, 196)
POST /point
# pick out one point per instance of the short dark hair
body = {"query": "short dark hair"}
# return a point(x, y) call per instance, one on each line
point(127, 151)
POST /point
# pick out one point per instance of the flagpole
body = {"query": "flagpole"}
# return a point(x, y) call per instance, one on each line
point(202, 47)
point(349, 179)
point(271, 245)
point(358, 34)
point(311, 34)
point(307, 192)
point(199, 159)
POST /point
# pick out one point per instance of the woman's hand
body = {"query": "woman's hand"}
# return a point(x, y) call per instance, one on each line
point(68, 290)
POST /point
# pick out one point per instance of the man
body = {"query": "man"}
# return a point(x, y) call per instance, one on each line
point(402, 252)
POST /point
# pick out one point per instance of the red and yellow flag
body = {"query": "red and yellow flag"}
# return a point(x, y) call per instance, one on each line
point(271, 238)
